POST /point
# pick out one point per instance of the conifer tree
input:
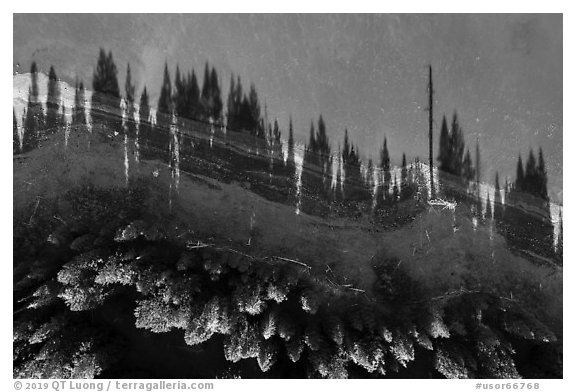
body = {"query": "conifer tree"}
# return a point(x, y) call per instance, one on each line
point(275, 147)
point(34, 122)
point(184, 96)
point(211, 95)
point(245, 119)
point(444, 147)
point(322, 138)
point(355, 187)
point(498, 202)
point(488, 207)
point(310, 167)
point(160, 135)
point(467, 169)
point(144, 131)
point(346, 150)
point(323, 144)
point(519, 184)
point(52, 102)
point(404, 189)
point(216, 110)
point(237, 105)
point(78, 112)
point(129, 91)
point(239, 94)
point(269, 137)
point(456, 148)
point(165, 100)
point(543, 176)
point(193, 97)
point(206, 96)
point(253, 115)
point(385, 166)
point(178, 93)
point(231, 106)
point(531, 180)
point(477, 167)
point(277, 134)
point(105, 108)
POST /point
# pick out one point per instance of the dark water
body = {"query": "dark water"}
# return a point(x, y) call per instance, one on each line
point(188, 252)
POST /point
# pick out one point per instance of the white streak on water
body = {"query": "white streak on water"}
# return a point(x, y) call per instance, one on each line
point(170, 198)
point(488, 189)
point(66, 135)
point(298, 161)
point(171, 165)
point(137, 145)
point(285, 151)
point(88, 110)
point(176, 151)
point(491, 231)
point(211, 131)
point(126, 161)
point(336, 162)
point(137, 141)
point(252, 219)
point(123, 113)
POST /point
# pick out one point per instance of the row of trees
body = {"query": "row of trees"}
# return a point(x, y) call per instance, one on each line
point(185, 100)
point(367, 187)
point(34, 120)
point(521, 208)
point(353, 180)
point(244, 111)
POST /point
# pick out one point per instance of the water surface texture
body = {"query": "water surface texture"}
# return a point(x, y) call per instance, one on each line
point(287, 196)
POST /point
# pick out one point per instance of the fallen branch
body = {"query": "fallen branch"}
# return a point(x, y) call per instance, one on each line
point(544, 260)
point(60, 219)
point(443, 203)
point(455, 293)
point(34, 213)
point(238, 252)
point(292, 261)
point(345, 286)
point(199, 245)
point(461, 292)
